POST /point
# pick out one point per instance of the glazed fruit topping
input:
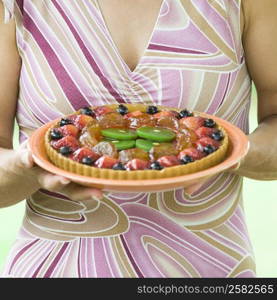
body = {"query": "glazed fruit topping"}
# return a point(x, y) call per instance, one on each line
point(122, 109)
point(56, 134)
point(165, 113)
point(151, 109)
point(194, 153)
point(205, 141)
point(204, 131)
point(119, 167)
point(185, 113)
point(87, 111)
point(137, 164)
point(168, 161)
point(209, 123)
point(217, 135)
point(65, 150)
point(163, 149)
point(145, 144)
point(156, 166)
point(127, 155)
point(65, 122)
point(105, 162)
point(168, 122)
point(66, 130)
point(209, 149)
point(102, 110)
point(84, 152)
point(156, 134)
point(83, 121)
point(123, 145)
point(112, 120)
point(119, 134)
point(87, 161)
point(192, 123)
point(106, 148)
point(186, 159)
point(67, 141)
point(138, 119)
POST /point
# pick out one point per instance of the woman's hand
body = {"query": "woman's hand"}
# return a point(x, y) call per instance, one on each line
point(24, 165)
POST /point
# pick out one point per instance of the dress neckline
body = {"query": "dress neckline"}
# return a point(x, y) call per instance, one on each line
point(116, 49)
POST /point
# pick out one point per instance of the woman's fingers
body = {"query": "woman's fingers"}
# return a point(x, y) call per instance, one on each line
point(56, 183)
point(78, 193)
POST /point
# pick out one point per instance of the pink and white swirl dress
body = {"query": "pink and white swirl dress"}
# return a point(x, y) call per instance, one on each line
point(195, 60)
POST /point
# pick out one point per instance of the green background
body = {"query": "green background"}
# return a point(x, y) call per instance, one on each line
point(260, 202)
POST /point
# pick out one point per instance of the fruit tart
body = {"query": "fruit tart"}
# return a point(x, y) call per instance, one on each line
point(135, 141)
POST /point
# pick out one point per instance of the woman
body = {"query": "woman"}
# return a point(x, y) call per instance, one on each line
point(58, 56)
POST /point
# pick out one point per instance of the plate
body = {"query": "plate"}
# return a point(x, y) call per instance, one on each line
point(238, 148)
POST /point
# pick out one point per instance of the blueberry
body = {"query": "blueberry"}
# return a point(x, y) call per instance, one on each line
point(55, 135)
point(156, 166)
point(86, 111)
point(122, 109)
point(185, 113)
point(209, 123)
point(65, 150)
point(119, 167)
point(209, 149)
point(87, 161)
point(217, 135)
point(64, 122)
point(151, 110)
point(186, 159)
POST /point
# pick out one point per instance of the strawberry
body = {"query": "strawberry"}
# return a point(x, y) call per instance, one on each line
point(205, 141)
point(68, 130)
point(83, 152)
point(168, 161)
point(67, 141)
point(192, 152)
point(204, 131)
point(106, 162)
point(102, 110)
point(192, 122)
point(165, 113)
point(83, 121)
point(137, 164)
point(135, 114)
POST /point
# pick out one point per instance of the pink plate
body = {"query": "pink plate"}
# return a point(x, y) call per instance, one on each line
point(238, 148)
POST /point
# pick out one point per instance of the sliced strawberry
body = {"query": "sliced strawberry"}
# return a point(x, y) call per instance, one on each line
point(68, 130)
point(165, 113)
point(106, 162)
point(83, 121)
point(205, 131)
point(102, 110)
point(136, 113)
point(205, 141)
point(137, 164)
point(192, 122)
point(72, 118)
point(192, 152)
point(168, 161)
point(79, 154)
point(67, 141)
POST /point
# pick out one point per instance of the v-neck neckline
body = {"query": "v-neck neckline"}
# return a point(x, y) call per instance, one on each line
point(115, 47)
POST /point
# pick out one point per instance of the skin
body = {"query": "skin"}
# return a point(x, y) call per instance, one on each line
point(259, 23)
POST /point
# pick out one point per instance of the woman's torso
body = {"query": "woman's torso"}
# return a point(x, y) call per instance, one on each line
point(194, 59)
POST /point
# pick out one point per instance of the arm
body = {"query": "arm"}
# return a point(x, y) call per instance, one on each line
point(260, 45)
point(19, 177)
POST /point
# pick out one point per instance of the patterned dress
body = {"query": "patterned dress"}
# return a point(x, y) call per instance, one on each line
point(195, 60)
